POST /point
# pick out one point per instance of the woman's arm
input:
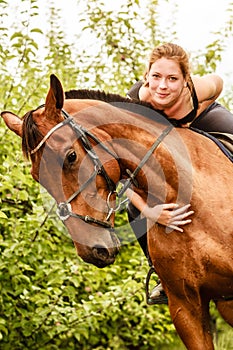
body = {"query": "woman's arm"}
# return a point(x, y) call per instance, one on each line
point(170, 215)
point(208, 88)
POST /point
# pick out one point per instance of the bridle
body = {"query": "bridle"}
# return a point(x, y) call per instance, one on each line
point(64, 209)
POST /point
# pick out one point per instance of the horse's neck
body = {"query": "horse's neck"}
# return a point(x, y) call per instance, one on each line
point(131, 140)
point(167, 174)
point(131, 136)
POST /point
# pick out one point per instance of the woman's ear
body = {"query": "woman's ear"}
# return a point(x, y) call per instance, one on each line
point(146, 80)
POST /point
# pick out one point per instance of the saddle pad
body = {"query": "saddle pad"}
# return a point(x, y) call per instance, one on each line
point(223, 140)
point(226, 139)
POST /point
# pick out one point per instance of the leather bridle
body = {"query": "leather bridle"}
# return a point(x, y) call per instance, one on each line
point(64, 209)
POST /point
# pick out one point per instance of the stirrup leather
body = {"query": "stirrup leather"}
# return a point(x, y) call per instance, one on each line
point(161, 299)
point(150, 272)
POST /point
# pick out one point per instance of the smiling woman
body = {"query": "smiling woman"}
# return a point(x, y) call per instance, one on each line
point(169, 87)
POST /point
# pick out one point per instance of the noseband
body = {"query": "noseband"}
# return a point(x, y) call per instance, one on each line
point(64, 209)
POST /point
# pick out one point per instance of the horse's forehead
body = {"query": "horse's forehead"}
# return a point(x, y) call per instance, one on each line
point(38, 117)
point(38, 113)
point(62, 140)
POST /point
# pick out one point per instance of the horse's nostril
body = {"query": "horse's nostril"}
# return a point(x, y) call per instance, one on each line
point(100, 252)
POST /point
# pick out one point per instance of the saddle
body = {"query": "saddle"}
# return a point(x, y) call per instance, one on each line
point(223, 140)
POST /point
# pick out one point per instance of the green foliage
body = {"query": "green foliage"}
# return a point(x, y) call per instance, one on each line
point(52, 300)
point(59, 57)
point(49, 298)
point(119, 45)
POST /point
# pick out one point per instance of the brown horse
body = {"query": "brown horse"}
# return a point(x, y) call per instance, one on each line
point(81, 149)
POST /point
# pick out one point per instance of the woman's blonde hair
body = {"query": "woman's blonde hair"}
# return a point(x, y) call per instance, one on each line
point(172, 52)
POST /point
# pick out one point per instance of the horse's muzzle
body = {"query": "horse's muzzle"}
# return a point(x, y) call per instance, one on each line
point(103, 256)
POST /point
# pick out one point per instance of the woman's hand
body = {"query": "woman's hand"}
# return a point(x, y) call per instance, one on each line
point(170, 215)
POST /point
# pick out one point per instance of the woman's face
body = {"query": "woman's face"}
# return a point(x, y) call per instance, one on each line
point(166, 83)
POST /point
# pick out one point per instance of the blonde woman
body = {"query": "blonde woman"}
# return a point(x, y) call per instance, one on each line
point(187, 101)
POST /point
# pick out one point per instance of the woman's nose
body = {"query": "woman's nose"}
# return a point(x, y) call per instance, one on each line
point(163, 84)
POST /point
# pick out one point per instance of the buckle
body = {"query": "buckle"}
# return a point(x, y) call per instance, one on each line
point(64, 210)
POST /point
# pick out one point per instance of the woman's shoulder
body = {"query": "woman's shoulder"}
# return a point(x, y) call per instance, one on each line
point(134, 90)
point(207, 87)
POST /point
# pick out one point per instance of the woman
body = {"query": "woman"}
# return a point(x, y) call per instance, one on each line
point(187, 101)
point(168, 86)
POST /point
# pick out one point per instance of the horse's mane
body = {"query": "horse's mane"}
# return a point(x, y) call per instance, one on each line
point(30, 134)
point(103, 96)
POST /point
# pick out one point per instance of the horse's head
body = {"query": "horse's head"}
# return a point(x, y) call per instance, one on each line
point(75, 168)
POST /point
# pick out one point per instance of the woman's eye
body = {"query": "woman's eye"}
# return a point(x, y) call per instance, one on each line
point(72, 157)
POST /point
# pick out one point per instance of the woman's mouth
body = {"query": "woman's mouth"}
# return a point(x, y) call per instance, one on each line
point(161, 95)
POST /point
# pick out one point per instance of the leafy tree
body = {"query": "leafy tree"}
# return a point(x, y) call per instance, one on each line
point(59, 55)
point(114, 59)
point(49, 298)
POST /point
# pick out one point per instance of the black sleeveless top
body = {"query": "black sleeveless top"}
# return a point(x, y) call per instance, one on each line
point(134, 94)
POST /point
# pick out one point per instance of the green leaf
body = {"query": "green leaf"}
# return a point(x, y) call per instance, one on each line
point(36, 30)
point(3, 215)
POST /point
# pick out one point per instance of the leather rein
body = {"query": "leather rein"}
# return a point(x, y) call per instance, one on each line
point(64, 209)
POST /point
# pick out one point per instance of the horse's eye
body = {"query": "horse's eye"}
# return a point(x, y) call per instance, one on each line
point(72, 157)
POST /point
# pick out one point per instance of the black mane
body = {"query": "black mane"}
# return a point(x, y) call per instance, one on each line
point(31, 135)
point(102, 96)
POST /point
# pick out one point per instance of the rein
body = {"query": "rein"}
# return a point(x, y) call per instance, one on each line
point(64, 209)
point(132, 176)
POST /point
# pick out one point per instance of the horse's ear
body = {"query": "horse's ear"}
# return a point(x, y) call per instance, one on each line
point(13, 122)
point(55, 97)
